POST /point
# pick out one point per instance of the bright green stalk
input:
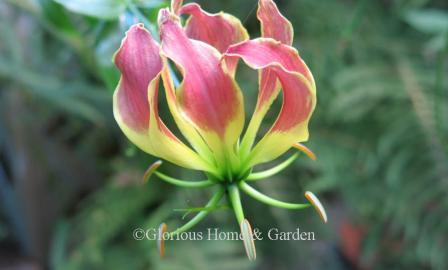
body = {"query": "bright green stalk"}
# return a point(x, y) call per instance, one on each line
point(268, 173)
point(268, 200)
point(183, 183)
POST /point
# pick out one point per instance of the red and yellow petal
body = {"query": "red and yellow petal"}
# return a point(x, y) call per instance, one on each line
point(299, 94)
point(176, 6)
point(208, 96)
point(183, 123)
point(273, 23)
point(131, 59)
point(135, 100)
point(219, 30)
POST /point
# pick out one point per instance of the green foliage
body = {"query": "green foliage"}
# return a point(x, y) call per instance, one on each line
point(431, 21)
point(104, 9)
point(380, 131)
point(40, 76)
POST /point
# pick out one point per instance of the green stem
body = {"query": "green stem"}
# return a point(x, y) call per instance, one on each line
point(183, 183)
point(268, 173)
point(235, 200)
point(268, 200)
point(202, 214)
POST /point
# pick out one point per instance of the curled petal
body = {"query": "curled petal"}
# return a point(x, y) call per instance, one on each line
point(132, 59)
point(135, 100)
point(299, 94)
point(273, 23)
point(208, 96)
point(219, 30)
point(176, 5)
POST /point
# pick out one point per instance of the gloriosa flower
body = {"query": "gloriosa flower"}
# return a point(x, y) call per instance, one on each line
point(208, 106)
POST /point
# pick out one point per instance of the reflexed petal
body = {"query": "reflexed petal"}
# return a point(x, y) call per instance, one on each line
point(268, 90)
point(138, 52)
point(208, 95)
point(135, 100)
point(176, 5)
point(299, 94)
point(273, 23)
point(219, 30)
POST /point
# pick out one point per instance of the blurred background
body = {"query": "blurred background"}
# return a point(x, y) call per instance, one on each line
point(70, 182)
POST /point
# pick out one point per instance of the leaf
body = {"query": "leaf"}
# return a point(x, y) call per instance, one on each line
point(150, 3)
point(56, 15)
point(104, 51)
point(437, 43)
point(104, 9)
point(430, 21)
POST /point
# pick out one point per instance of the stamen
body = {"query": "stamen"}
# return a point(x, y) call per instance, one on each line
point(183, 183)
point(161, 240)
point(305, 150)
point(317, 205)
point(268, 200)
point(268, 173)
point(235, 200)
point(248, 240)
point(151, 169)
